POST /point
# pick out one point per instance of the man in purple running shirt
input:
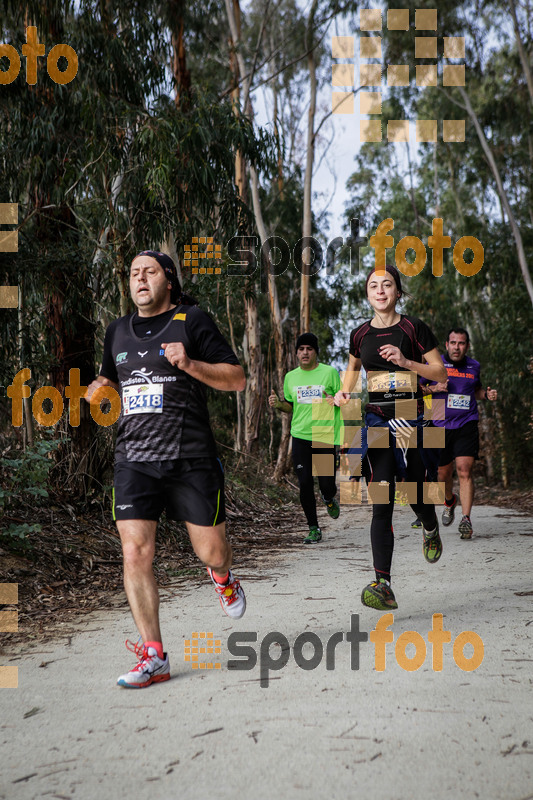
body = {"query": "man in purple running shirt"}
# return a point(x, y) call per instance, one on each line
point(461, 392)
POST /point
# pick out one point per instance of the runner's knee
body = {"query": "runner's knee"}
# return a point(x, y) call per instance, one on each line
point(137, 554)
point(216, 554)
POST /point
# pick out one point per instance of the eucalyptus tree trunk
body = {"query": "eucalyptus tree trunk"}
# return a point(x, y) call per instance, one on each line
point(123, 283)
point(503, 454)
point(169, 247)
point(26, 402)
point(254, 384)
point(182, 76)
point(488, 439)
point(252, 338)
point(275, 126)
point(277, 330)
point(524, 60)
point(238, 395)
point(305, 314)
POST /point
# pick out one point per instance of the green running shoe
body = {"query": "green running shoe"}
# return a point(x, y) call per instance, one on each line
point(416, 524)
point(332, 507)
point(379, 595)
point(315, 535)
point(432, 545)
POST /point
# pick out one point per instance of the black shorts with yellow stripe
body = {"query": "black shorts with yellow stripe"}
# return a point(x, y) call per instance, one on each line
point(188, 489)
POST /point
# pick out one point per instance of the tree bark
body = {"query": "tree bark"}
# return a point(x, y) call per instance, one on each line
point(182, 76)
point(238, 395)
point(252, 339)
point(305, 314)
point(277, 328)
point(254, 384)
point(524, 60)
point(26, 402)
point(503, 455)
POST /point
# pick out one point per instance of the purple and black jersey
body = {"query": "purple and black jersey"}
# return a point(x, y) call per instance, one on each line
point(460, 399)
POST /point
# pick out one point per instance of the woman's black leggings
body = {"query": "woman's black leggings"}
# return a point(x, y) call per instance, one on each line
point(383, 468)
point(302, 457)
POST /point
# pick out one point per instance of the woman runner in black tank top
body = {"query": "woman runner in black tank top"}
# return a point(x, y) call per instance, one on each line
point(394, 349)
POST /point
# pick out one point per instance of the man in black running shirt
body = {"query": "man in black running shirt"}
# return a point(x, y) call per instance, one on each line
point(160, 359)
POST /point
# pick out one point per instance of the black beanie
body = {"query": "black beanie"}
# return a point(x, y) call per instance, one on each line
point(309, 339)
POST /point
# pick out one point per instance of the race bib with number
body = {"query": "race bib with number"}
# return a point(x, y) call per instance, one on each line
point(404, 381)
point(309, 394)
point(145, 398)
point(461, 401)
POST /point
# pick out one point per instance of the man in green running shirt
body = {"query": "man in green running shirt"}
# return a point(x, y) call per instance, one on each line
point(315, 428)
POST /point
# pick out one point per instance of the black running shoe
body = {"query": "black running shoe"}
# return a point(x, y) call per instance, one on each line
point(449, 512)
point(465, 528)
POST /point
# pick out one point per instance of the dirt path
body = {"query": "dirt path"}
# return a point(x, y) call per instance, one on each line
point(69, 732)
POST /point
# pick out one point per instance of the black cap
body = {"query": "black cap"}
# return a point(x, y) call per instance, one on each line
point(309, 339)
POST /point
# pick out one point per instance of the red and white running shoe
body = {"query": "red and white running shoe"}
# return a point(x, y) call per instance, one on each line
point(231, 595)
point(150, 669)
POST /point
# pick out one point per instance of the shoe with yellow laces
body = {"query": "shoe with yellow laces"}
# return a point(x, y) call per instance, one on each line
point(379, 595)
point(431, 544)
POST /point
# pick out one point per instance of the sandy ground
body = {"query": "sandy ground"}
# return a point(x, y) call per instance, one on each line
point(68, 731)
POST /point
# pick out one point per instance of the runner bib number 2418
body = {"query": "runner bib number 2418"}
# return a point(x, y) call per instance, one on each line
point(143, 399)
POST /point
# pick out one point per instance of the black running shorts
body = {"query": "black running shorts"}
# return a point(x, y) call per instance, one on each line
point(188, 489)
point(463, 441)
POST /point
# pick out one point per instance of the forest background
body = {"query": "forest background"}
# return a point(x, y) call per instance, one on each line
point(209, 120)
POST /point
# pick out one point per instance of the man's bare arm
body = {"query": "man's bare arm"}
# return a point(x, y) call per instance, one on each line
point(281, 405)
point(225, 377)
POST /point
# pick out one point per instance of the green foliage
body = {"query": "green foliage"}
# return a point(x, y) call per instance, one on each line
point(113, 163)
point(17, 535)
point(452, 181)
point(29, 472)
point(106, 166)
point(25, 480)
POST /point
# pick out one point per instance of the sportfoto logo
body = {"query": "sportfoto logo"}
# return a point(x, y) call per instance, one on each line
point(373, 71)
point(9, 243)
point(193, 255)
point(9, 623)
point(308, 256)
point(200, 649)
point(74, 391)
point(32, 50)
point(308, 649)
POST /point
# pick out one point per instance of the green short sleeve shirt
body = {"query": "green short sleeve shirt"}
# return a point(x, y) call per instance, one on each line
point(313, 419)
